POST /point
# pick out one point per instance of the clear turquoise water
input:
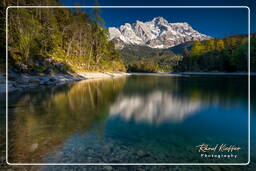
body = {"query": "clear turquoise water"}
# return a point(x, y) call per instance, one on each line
point(135, 119)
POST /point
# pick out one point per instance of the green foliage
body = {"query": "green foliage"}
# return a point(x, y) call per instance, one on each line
point(197, 49)
point(210, 45)
point(68, 36)
point(78, 40)
point(145, 59)
point(253, 54)
point(227, 55)
point(2, 36)
point(239, 57)
point(143, 66)
point(96, 14)
point(220, 45)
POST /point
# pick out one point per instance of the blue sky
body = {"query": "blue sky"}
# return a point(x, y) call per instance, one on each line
point(214, 22)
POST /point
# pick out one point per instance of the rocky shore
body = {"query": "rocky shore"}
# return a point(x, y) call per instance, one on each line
point(21, 81)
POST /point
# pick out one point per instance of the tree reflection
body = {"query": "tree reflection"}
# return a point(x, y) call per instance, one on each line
point(43, 120)
point(40, 122)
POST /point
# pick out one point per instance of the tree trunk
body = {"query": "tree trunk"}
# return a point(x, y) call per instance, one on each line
point(89, 60)
point(80, 44)
point(98, 59)
point(69, 45)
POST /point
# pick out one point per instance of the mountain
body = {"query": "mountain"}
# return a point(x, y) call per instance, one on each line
point(158, 33)
point(135, 53)
point(145, 59)
point(179, 49)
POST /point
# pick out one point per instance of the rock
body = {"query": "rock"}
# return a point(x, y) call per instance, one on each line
point(11, 83)
point(89, 159)
point(107, 168)
point(214, 168)
point(45, 78)
point(48, 71)
point(90, 151)
point(10, 86)
point(23, 79)
point(17, 82)
point(34, 147)
point(2, 78)
point(34, 80)
point(141, 153)
point(44, 81)
point(2, 159)
point(23, 67)
point(13, 75)
point(52, 79)
point(24, 86)
point(106, 149)
point(158, 33)
point(32, 72)
point(2, 88)
point(60, 66)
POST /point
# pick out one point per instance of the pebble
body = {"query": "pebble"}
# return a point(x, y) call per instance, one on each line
point(106, 149)
point(34, 80)
point(24, 79)
point(108, 168)
point(2, 88)
point(214, 168)
point(2, 159)
point(141, 153)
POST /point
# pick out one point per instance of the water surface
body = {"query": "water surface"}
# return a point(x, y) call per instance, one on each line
point(135, 119)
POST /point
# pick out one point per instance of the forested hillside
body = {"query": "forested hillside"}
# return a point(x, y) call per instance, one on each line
point(59, 39)
point(229, 54)
point(146, 59)
point(47, 39)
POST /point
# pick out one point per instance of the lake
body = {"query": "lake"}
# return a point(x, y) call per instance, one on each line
point(131, 119)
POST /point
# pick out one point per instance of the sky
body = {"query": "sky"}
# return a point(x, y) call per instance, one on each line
point(215, 22)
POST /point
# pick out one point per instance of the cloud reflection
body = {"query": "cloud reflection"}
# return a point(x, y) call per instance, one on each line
point(155, 108)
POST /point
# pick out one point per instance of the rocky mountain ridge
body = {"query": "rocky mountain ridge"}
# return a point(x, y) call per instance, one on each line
point(157, 33)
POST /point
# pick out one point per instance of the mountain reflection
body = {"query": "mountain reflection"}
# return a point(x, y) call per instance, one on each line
point(157, 100)
point(42, 121)
point(156, 107)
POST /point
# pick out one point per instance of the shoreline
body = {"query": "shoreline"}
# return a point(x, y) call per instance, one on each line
point(195, 73)
point(19, 82)
point(216, 73)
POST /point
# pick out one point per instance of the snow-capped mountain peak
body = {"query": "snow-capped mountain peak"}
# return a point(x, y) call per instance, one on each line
point(157, 33)
point(159, 21)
